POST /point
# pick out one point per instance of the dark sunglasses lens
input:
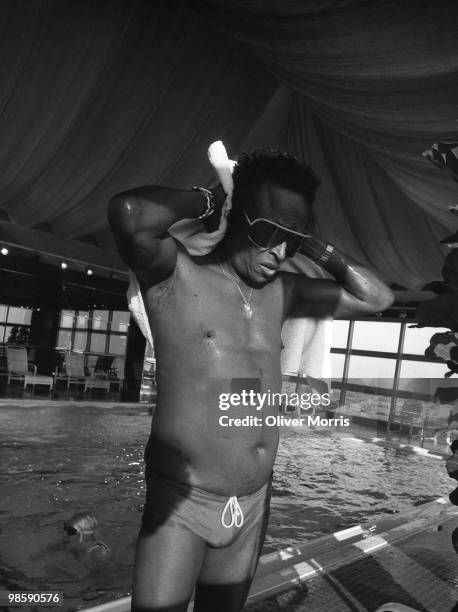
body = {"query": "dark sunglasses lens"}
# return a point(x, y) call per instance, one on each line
point(293, 245)
point(261, 233)
point(267, 236)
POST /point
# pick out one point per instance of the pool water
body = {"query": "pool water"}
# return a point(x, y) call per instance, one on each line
point(59, 460)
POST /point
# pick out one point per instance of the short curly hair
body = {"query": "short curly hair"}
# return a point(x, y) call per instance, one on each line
point(256, 167)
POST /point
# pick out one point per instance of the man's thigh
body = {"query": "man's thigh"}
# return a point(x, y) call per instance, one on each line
point(227, 573)
point(167, 563)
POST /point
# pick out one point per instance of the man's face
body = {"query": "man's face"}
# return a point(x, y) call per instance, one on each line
point(275, 203)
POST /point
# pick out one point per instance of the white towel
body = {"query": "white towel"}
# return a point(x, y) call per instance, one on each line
point(191, 232)
point(307, 343)
point(307, 340)
point(137, 308)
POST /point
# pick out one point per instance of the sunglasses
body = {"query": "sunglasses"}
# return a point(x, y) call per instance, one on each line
point(267, 234)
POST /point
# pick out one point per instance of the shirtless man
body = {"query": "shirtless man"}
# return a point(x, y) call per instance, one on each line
point(216, 322)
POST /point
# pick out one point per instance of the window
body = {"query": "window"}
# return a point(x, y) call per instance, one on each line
point(379, 336)
point(100, 319)
point(425, 386)
point(340, 334)
point(15, 324)
point(417, 340)
point(19, 316)
point(79, 341)
point(422, 369)
point(117, 345)
point(97, 344)
point(385, 362)
point(120, 321)
point(95, 333)
point(66, 318)
point(373, 371)
point(337, 366)
point(82, 319)
point(64, 339)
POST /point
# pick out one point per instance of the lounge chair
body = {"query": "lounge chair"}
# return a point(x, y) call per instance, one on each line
point(435, 427)
point(115, 373)
point(107, 368)
point(100, 378)
point(19, 368)
point(73, 371)
point(412, 415)
point(75, 374)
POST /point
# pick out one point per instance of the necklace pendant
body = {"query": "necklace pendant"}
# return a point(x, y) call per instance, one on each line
point(248, 311)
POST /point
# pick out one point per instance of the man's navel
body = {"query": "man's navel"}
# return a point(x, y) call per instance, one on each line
point(210, 334)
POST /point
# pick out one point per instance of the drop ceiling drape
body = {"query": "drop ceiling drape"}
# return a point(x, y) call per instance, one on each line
point(99, 96)
point(359, 207)
point(376, 84)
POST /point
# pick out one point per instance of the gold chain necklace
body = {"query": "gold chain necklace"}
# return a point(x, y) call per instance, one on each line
point(247, 309)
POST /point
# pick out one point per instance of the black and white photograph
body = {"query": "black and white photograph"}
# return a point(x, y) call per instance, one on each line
point(229, 305)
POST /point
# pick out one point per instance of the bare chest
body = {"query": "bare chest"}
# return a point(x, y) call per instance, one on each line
point(199, 307)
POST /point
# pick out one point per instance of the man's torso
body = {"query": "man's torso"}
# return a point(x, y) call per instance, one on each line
point(206, 346)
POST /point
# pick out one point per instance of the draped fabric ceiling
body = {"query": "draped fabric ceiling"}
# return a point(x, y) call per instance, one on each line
point(100, 96)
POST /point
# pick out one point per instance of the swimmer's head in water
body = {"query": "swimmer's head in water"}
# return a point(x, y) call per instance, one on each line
point(272, 211)
point(80, 534)
point(80, 526)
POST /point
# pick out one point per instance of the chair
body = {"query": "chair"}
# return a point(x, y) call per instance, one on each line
point(412, 415)
point(434, 428)
point(19, 368)
point(74, 373)
point(100, 378)
point(103, 365)
point(115, 373)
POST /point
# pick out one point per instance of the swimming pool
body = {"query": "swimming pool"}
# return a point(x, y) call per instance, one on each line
point(57, 460)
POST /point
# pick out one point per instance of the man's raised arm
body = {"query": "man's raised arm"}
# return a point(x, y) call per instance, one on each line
point(356, 289)
point(140, 219)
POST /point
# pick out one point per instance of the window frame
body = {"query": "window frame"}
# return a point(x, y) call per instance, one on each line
point(5, 324)
point(90, 330)
point(343, 385)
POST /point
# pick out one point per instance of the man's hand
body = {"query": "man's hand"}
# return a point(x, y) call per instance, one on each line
point(357, 289)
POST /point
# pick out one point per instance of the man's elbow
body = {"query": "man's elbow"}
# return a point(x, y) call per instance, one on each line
point(382, 300)
point(121, 211)
point(120, 204)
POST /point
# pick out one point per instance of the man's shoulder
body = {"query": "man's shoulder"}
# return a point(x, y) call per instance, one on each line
point(185, 265)
point(188, 262)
